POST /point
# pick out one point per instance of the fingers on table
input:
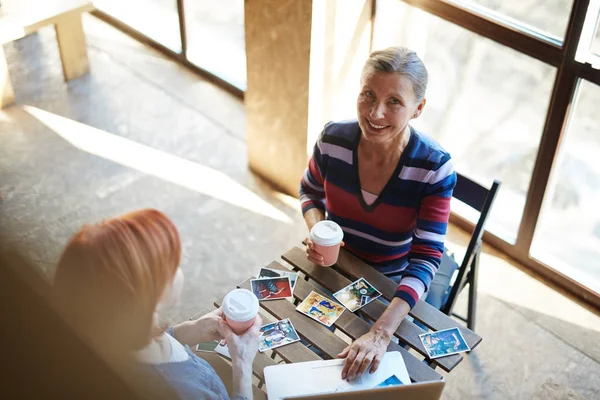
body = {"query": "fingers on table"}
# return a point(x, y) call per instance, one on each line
point(344, 352)
point(356, 365)
point(349, 362)
point(367, 360)
point(375, 363)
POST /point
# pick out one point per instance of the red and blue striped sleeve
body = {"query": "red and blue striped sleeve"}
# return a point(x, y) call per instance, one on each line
point(312, 191)
point(430, 233)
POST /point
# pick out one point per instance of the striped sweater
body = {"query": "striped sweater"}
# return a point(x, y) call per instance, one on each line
point(402, 233)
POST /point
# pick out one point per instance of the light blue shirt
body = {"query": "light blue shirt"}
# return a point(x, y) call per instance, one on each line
point(192, 378)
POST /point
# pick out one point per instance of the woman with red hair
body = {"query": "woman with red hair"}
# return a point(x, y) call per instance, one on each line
point(113, 280)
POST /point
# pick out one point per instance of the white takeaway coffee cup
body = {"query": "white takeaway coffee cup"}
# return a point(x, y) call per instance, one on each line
point(240, 306)
point(327, 237)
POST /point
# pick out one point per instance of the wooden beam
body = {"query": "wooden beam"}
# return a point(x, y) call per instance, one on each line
point(71, 43)
point(278, 38)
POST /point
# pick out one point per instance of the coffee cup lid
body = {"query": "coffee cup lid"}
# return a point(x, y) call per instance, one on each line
point(240, 305)
point(326, 233)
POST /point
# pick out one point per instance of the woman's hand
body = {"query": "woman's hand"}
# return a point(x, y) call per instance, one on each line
point(203, 329)
point(312, 254)
point(243, 348)
point(367, 350)
point(209, 324)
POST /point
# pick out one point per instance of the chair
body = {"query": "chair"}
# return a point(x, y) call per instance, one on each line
point(442, 295)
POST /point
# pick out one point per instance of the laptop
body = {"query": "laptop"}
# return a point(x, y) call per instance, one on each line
point(414, 391)
point(322, 379)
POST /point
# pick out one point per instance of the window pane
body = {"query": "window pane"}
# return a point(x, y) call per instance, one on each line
point(596, 41)
point(568, 234)
point(549, 16)
point(215, 37)
point(157, 19)
point(486, 103)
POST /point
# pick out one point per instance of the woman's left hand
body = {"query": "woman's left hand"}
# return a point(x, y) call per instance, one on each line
point(367, 350)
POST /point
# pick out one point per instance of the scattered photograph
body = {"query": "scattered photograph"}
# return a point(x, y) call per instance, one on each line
point(274, 273)
point(320, 308)
point(444, 343)
point(357, 294)
point(207, 346)
point(272, 288)
point(277, 334)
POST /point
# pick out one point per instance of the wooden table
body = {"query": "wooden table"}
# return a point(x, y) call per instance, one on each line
point(348, 269)
point(19, 18)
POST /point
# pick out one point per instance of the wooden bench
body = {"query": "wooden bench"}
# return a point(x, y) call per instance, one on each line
point(19, 18)
point(348, 269)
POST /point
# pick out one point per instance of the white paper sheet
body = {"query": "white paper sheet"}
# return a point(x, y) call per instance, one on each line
point(316, 377)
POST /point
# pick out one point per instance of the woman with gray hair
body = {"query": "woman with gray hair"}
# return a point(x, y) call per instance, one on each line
point(388, 186)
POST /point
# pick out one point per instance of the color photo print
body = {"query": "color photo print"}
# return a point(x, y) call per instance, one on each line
point(320, 308)
point(277, 334)
point(274, 273)
point(272, 288)
point(357, 294)
point(444, 343)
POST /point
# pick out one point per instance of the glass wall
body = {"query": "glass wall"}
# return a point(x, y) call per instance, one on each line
point(215, 38)
point(213, 31)
point(596, 43)
point(568, 233)
point(548, 16)
point(157, 19)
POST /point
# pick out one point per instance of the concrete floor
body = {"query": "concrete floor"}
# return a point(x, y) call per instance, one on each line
point(142, 131)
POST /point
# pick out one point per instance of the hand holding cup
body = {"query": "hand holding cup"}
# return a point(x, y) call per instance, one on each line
point(323, 244)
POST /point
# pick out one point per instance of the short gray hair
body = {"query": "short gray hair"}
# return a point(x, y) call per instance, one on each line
point(402, 61)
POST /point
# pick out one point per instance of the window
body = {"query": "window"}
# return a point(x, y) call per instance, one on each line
point(157, 19)
point(486, 103)
point(588, 49)
point(568, 233)
point(596, 41)
point(549, 16)
point(215, 38)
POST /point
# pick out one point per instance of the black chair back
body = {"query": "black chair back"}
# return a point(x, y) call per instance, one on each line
point(481, 199)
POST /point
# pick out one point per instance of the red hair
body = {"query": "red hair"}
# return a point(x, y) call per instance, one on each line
point(112, 275)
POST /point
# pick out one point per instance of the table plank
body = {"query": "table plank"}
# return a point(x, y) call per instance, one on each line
point(333, 281)
point(261, 361)
point(295, 352)
point(355, 327)
point(355, 268)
